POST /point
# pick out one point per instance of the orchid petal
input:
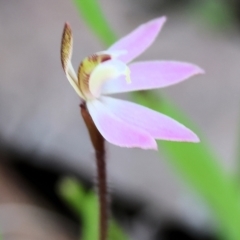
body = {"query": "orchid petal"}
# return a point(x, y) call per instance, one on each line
point(152, 74)
point(66, 55)
point(116, 131)
point(158, 125)
point(139, 39)
point(105, 71)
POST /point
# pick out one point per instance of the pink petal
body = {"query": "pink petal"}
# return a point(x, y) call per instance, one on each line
point(156, 124)
point(117, 131)
point(139, 39)
point(153, 74)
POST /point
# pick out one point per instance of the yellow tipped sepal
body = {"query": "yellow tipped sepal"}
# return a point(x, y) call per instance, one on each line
point(66, 55)
point(66, 46)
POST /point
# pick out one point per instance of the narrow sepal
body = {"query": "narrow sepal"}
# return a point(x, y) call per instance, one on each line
point(66, 46)
point(66, 55)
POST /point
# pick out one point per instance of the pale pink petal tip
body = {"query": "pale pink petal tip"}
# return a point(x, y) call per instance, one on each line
point(161, 20)
point(139, 39)
point(151, 145)
point(190, 71)
point(190, 137)
point(199, 70)
point(197, 140)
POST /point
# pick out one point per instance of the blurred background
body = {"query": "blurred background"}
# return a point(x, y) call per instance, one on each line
point(43, 138)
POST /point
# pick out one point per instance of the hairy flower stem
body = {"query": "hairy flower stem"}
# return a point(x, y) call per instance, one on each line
point(102, 191)
point(99, 146)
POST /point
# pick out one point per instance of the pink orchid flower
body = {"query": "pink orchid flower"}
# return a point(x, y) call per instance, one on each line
point(121, 122)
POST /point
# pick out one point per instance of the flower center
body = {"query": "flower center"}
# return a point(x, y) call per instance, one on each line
point(86, 68)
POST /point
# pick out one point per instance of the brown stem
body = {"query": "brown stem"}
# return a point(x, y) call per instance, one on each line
point(99, 146)
point(102, 191)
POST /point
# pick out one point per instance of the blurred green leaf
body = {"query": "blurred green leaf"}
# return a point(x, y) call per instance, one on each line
point(92, 13)
point(72, 193)
point(115, 232)
point(217, 13)
point(85, 205)
point(200, 168)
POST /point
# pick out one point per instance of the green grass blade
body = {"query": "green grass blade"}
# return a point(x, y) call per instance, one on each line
point(214, 13)
point(85, 205)
point(92, 13)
